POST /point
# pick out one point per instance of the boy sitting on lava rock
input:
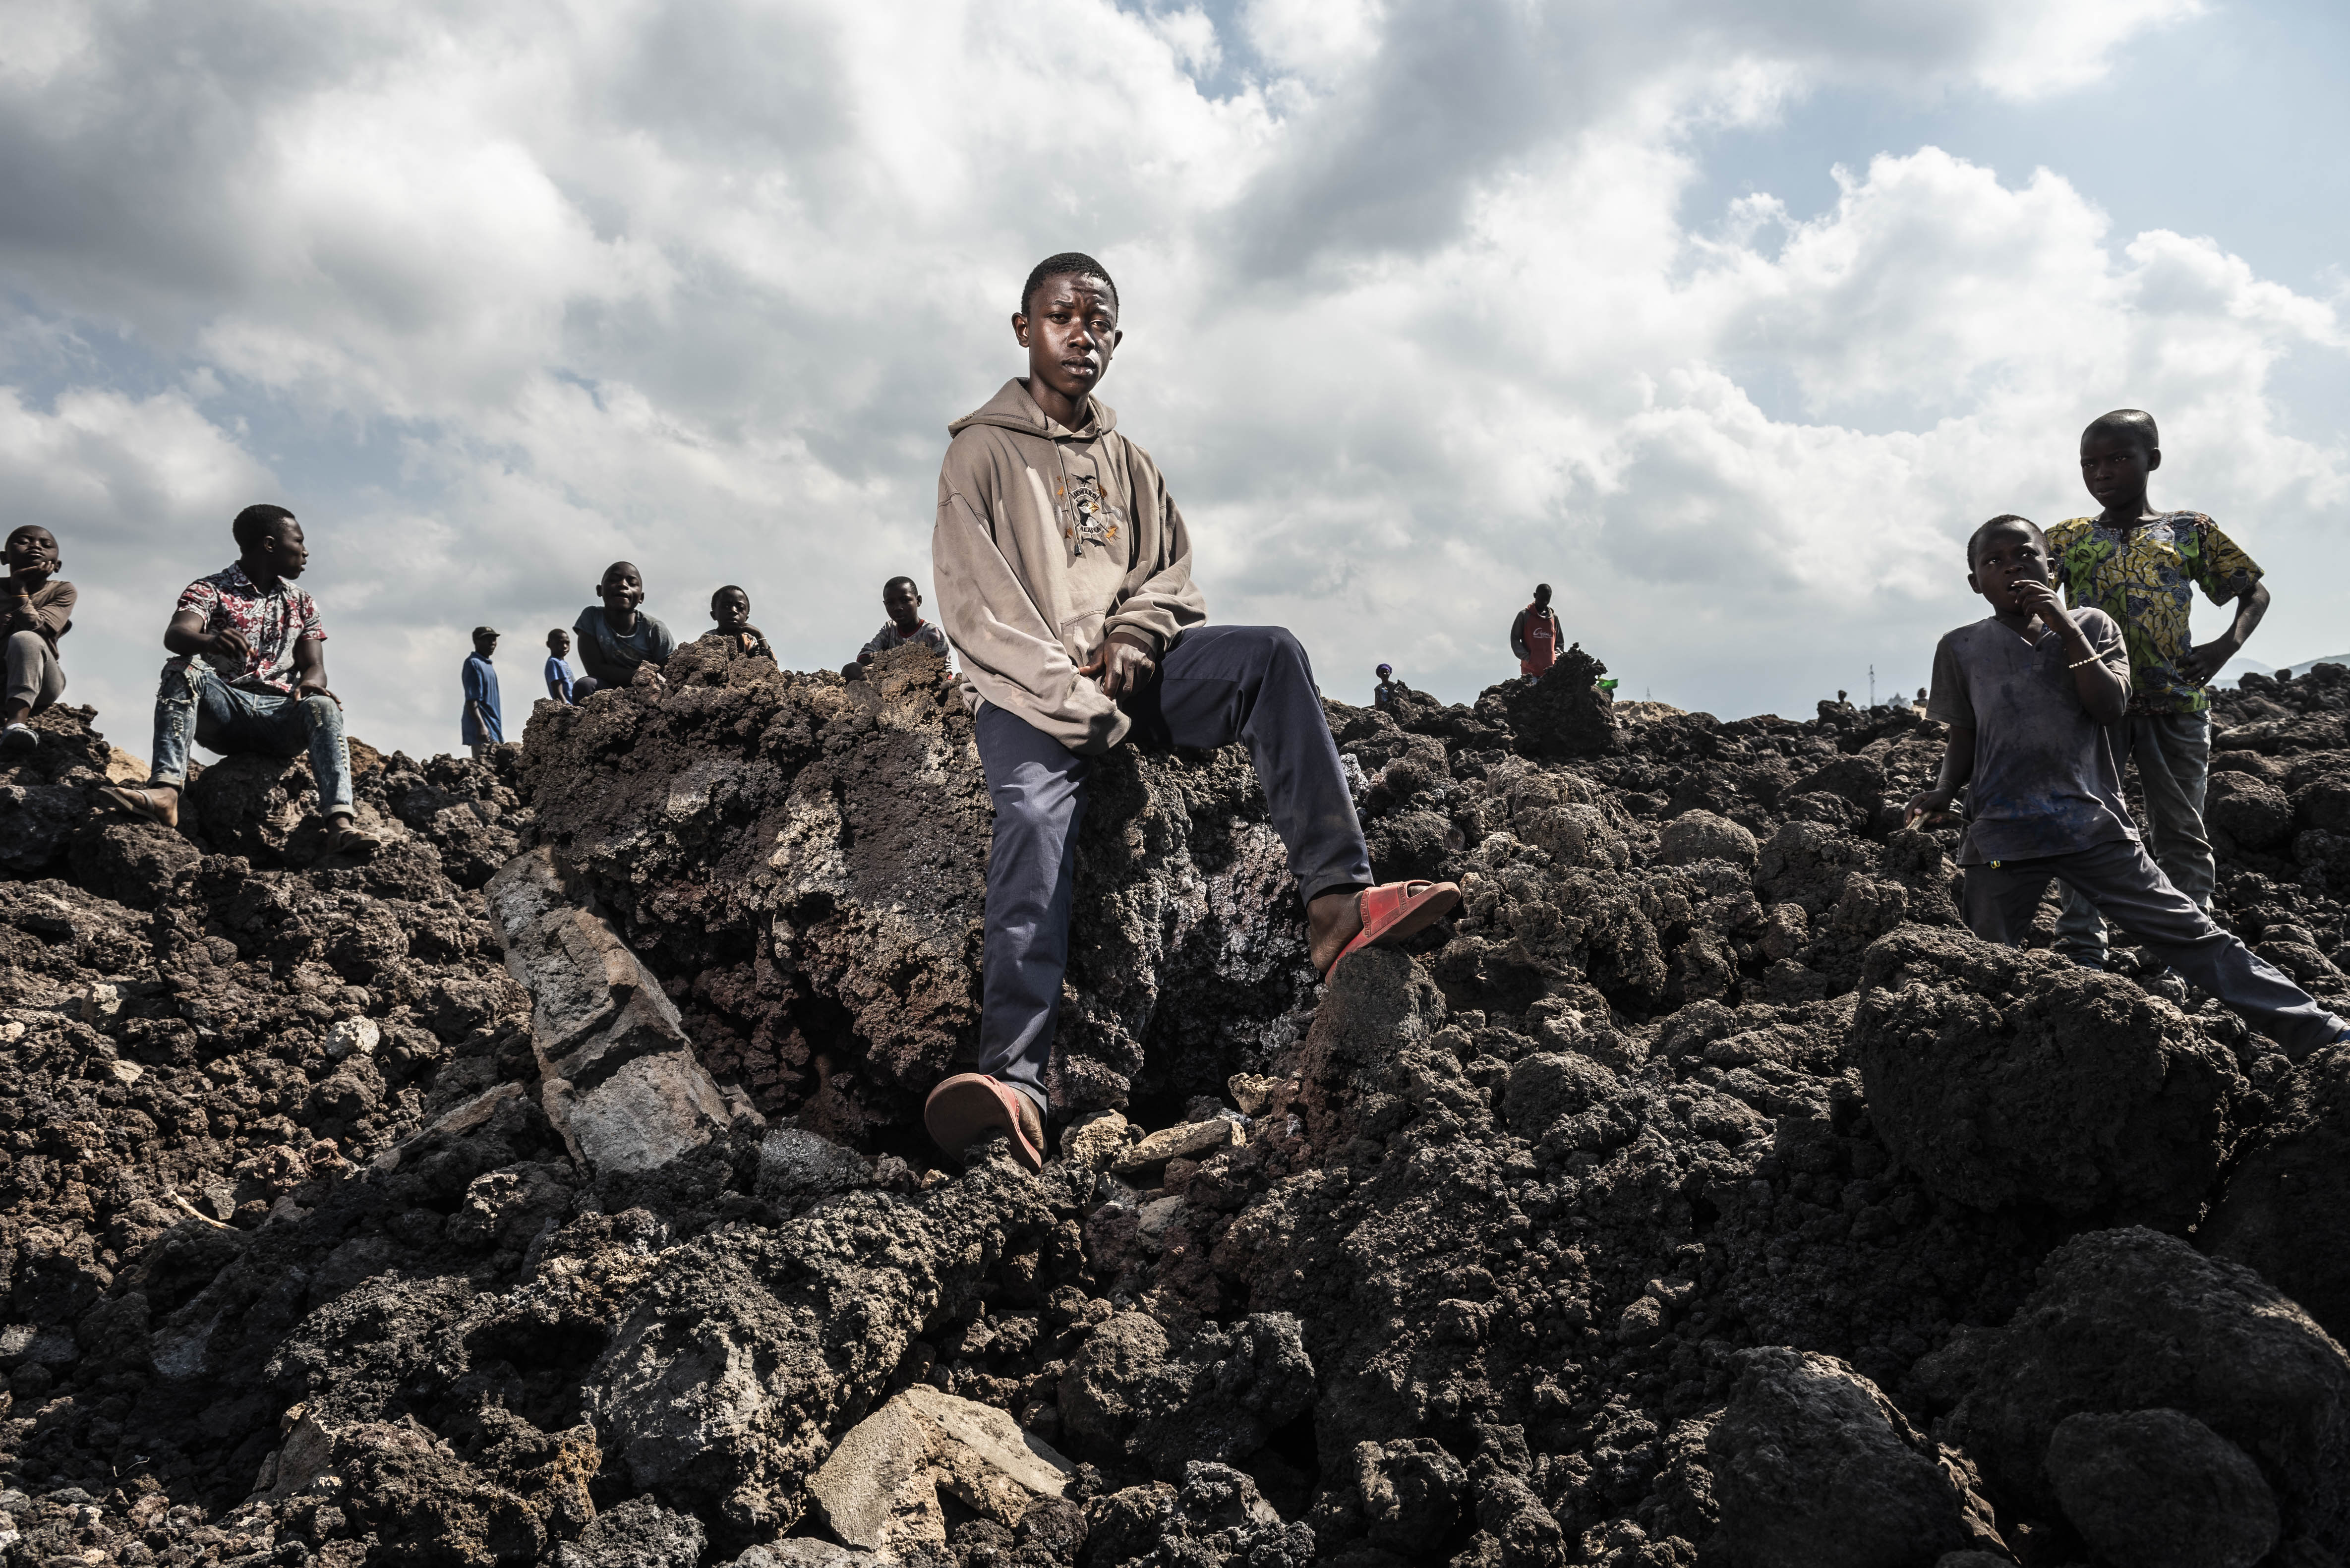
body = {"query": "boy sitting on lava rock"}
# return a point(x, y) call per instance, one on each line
point(902, 601)
point(1064, 573)
point(2028, 694)
point(730, 607)
point(250, 678)
point(616, 638)
point(36, 605)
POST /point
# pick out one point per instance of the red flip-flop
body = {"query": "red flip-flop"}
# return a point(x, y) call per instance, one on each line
point(1394, 912)
point(969, 1106)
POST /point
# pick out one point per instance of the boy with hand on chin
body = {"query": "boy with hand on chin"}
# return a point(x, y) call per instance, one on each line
point(1064, 573)
point(2027, 694)
point(2142, 567)
point(35, 610)
point(616, 638)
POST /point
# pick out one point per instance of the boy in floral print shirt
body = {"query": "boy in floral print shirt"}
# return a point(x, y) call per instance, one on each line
point(2142, 567)
point(249, 676)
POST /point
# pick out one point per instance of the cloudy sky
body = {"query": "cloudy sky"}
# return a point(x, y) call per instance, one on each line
point(1728, 320)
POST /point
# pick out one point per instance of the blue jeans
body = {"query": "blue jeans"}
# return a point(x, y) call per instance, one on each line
point(2134, 895)
point(194, 706)
point(2173, 752)
point(1218, 684)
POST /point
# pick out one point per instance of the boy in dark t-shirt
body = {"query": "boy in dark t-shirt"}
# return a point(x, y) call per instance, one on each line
point(617, 637)
point(2027, 695)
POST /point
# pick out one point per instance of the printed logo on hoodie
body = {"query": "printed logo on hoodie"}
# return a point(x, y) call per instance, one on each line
point(1097, 518)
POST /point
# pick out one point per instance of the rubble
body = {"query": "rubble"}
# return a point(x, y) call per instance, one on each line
point(548, 1189)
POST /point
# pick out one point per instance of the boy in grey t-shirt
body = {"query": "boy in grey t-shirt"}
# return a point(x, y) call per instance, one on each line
point(2027, 694)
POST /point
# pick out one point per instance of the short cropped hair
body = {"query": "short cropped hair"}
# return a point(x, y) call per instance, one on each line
point(2004, 520)
point(732, 588)
point(2135, 424)
point(1076, 263)
point(557, 632)
point(257, 522)
point(895, 581)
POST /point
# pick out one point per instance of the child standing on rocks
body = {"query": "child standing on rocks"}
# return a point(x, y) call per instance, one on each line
point(617, 638)
point(2141, 567)
point(37, 606)
point(1064, 573)
point(557, 672)
point(2027, 694)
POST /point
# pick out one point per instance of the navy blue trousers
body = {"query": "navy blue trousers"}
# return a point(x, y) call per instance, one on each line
point(1218, 684)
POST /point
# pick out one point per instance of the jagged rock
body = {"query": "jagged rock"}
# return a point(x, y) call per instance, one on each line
point(1217, 1515)
point(2132, 1320)
point(2008, 1076)
point(638, 1533)
point(811, 854)
point(2285, 1211)
point(621, 1081)
point(2251, 811)
point(702, 1392)
point(1189, 1140)
point(1813, 1468)
point(1136, 1393)
point(1700, 836)
point(796, 1163)
point(1409, 1490)
point(881, 1487)
point(2156, 1488)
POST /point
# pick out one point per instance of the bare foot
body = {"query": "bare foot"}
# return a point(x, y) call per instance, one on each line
point(1332, 920)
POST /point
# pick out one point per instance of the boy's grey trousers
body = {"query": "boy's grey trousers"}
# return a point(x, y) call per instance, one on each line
point(2173, 752)
point(2134, 895)
point(1218, 684)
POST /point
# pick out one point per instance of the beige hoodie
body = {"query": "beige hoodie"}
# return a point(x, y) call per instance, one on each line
point(1048, 540)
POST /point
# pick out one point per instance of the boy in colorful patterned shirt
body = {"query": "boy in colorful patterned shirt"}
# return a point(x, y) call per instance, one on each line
point(249, 676)
point(2142, 567)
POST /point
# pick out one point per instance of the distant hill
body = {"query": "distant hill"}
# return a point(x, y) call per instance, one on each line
point(2239, 664)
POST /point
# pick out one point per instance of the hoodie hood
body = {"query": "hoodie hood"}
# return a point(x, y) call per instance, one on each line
point(1012, 408)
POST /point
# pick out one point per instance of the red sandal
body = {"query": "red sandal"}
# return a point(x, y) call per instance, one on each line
point(1394, 912)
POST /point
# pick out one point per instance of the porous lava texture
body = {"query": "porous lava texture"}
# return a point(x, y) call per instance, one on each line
point(1701, 1193)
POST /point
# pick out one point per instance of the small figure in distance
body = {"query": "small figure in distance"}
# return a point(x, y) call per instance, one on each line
point(730, 607)
point(616, 638)
point(903, 602)
point(1533, 636)
point(37, 607)
point(484, 724)
point(2141, 566)
point(1383, 695)
point(1073, 605)
point(2028, 694)
point(1919, 707)
point(249, 676)
point(558, 667)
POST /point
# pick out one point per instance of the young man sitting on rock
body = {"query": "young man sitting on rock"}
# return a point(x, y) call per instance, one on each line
point(1064, 573)
point(616, 638)
point(36, 605)
point(250, 678)
point(2028, 694)
point(730, 607)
